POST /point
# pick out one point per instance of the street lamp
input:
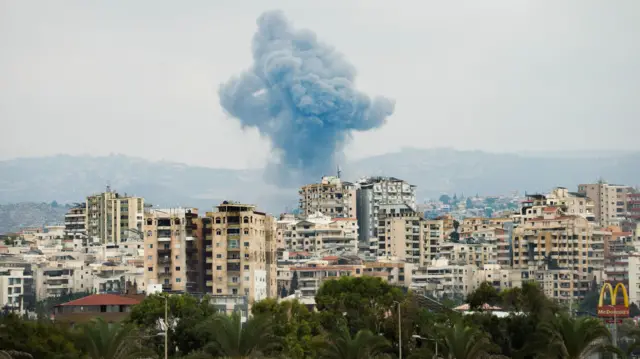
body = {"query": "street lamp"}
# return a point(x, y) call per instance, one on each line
point(399, 331)
point(416, 336)
point(166, 327)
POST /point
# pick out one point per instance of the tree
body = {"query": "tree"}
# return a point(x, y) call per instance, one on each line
point(185, 312)
point(14, 354)
point(293, 323)
point(228, 337)
point(283, 292)
point(567, 338)
point(102, 340)
point(40, 339)
point(363, 302)
point(484, 294)
point(445, 199)
point(341, 345)
point(461, 341)
point(294, 283)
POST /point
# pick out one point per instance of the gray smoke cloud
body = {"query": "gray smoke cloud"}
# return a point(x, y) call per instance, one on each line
point(300, 94)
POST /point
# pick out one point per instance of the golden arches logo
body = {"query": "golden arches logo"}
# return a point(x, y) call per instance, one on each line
point(613, 294)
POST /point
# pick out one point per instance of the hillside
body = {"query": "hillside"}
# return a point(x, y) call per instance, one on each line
point(68, 179)
point(27, 214)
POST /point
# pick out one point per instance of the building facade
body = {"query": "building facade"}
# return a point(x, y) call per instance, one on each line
point(111, 218)
point(173, 253)
point(240, 252)
point(332, 197)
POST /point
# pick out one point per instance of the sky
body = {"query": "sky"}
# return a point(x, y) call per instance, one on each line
point(141, 77)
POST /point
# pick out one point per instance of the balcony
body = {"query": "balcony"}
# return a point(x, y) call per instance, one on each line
point(164, 239)
point(165, 273)
point(190, 250)
point(164, 260)
point(164, 251)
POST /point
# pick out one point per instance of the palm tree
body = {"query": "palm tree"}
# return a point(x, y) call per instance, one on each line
point(112, 341)
point(228, 337)
point(14, 354)
point(340, 345)
point(564, 337)
point(465, 342)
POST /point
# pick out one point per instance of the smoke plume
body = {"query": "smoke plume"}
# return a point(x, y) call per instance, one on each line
point(300, 94)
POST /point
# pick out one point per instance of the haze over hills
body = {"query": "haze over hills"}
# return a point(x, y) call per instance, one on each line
point(68, 179)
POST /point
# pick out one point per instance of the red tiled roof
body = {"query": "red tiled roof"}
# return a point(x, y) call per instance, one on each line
point(103, 299)
point(549, 209)
point(330, 258)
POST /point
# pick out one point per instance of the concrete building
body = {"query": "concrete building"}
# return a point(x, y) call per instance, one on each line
point(321, 235)
point(110, 216)
point(75, 227)
point(477, 252)
point(610, 201)
point(553, 241)
point(12, 289)
point(173, 252)
point(442, 279)
point(409, 237)
point(634, 277)
point(378, 196)
point(633, 206)
point(240, 254)
point(332, 197)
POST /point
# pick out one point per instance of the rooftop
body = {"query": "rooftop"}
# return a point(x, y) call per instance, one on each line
point(102, 299)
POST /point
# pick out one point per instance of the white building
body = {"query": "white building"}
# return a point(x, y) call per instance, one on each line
point(12, 289)
point(322, 235)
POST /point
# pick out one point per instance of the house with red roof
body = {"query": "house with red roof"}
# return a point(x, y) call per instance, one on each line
point(110, 307)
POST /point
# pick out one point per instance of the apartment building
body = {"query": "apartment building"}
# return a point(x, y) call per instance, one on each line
point(409, 237)
point(311, 275)
point(321, 235)
point(56, 279)
point(173, 252)
point(75, 224)
point(477, 252)
point(12, 289)
point(442, 279)
point(112, 218)
point(610, 201)
point(634, 277)
point(11, 263)
point(633, 206)
point(332, 197)
point(553, 241)
point(378, 196)
point(392, 271)
point(240, 251)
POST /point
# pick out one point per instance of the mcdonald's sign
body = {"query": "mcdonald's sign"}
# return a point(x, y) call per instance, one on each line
point(613, 310)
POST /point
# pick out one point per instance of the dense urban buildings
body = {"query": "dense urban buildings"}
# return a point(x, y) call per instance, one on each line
point(112, 244)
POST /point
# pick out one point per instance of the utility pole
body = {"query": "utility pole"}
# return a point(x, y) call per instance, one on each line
point(166, 327)
point(399, 331)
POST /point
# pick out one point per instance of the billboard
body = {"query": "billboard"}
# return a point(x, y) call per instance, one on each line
point(613, 310)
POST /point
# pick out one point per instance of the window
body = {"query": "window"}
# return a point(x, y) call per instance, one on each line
point(149, 233)
point(218, 232)
point(151, 246)
point(149, 257)
point(246, 267)
point(245, 219)
point(218, 290)
point(218, 220)
point(218, 255)
point(177, 269)
point(150, 269)
point(218, 267)
point(246, 244)
point(177, 221)
point(177, 256)
point(178, 280)
point(246, 231)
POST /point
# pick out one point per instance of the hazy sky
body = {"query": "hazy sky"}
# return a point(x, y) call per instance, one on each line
point(141, 77)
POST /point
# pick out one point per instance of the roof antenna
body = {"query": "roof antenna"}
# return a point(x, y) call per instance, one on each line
point(108, 186)
point(339, 172)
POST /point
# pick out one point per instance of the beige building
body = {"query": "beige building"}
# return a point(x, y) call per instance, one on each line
point(173, 250)
point(322, 235)
point(440, 278)
point(12, 288)
point(110, 216)
point(240, 252)
point(75, 225)
point(409, 237)
point(470, 251)
point(553, 241)
point(610, 201)
point(332, 197)
point(633, 269)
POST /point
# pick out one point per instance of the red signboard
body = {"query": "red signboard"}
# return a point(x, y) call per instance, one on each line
point(611, 311)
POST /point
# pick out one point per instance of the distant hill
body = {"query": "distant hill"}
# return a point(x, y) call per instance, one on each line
point(68, 179)
point(15, 216)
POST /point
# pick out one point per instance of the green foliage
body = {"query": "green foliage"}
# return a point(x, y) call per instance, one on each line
point(363, 302)
point(101, 340)
point(185, 311)
point(339, 344)
point(294, 283)
point(41, 339)
point(226, 336)
point(44, 308)
point(484, 294)
point(293, 323)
